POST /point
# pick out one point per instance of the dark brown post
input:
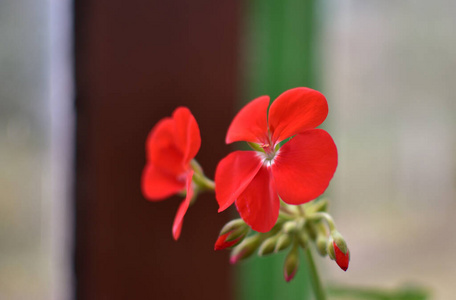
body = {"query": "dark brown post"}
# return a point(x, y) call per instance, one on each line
point(135, 62)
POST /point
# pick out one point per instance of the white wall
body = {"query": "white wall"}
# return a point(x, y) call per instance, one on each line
point(390, 77)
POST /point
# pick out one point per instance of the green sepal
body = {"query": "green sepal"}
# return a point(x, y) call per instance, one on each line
point(283, 242)
point(232, 225)
point(268, 246)
point(339, 240)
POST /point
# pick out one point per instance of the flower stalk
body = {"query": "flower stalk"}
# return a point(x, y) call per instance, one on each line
point(203, 183)
point(314, 278)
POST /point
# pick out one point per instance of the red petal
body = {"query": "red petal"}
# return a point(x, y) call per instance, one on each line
point(188, 137)
point(233, 175)
point(250, 124)
point(259, 204)
point(221, 242)
point(342, 259)
point(295, 111)
point(183, 207)
point(157, 185)
point(161, 148)
point(304, 166)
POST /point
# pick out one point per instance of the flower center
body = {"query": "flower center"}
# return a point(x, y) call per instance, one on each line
point(269, 152)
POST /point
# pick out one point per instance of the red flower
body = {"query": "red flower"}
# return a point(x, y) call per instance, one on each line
point(298, 172)
point(342, 259)
point(170, 147)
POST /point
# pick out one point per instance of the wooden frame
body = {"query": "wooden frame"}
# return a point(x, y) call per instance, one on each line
point(135, 62)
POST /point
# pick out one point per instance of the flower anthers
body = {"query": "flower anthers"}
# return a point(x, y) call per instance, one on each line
point(292, 160)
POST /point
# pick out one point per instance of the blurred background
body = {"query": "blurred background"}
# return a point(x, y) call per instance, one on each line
point(83, 82)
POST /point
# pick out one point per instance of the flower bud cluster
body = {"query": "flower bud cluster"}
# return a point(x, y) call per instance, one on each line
point(297, 227)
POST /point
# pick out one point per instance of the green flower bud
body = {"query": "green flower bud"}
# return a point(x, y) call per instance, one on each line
point(322, 238)
point(330, 249)
point(237, 233)
point(300, 223)
point(283, 242)
point(322, 242)
point(310, 228)
point(303, 239)
point(341, 257)
point(268, 246)
point(339, 241)
point(245, 249)
point(289, 227)
point(291, 264)
point(233, 225)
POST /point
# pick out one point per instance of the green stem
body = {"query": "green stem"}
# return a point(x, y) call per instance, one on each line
point(286, 211)
point(314, 278)
point(327, 217)
point(196, 167)
point(301, 211)
point(203, 182)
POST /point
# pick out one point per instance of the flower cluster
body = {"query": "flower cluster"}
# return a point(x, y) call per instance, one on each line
point(297, 228)
point(274, 186)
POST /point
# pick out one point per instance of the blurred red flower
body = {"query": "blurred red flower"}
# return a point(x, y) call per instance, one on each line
point(298, 172)
point(170, 147)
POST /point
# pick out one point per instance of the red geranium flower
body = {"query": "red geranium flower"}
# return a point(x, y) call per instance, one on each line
point(298, 172)
point(170, 147)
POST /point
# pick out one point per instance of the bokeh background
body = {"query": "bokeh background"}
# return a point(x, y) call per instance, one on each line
point(82, 83)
